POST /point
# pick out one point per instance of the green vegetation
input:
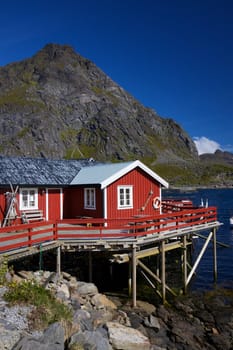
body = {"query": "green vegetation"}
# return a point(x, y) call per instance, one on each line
point(3, 270)
point(68, 135)
point(16, 96)
point(23, 132)
point(103, 92)
point(177, 175)
point(47, 308)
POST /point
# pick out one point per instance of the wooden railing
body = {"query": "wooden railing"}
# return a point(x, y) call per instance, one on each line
point(28, 235)
point(136, 226)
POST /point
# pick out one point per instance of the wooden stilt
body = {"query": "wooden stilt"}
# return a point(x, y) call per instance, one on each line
point(185, 263)
point(163, 271)
point(59, 260)
point(157, 265)
point(134, 276)
point(90, 266)
point(130, 281)
point(214, 255)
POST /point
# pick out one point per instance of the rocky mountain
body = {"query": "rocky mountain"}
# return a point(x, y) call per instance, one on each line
point(220, 157)
point(59, 104)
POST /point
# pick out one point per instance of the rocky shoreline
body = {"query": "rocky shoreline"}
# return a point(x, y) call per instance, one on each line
point(194, 322)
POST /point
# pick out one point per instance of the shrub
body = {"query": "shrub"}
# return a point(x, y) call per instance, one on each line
point(47, 309)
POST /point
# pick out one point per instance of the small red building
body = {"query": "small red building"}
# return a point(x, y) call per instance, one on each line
point(77, 188)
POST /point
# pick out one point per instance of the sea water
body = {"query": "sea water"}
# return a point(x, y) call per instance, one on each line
point(223, 200)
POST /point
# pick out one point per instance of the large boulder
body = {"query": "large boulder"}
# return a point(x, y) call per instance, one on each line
point(126, 338)
point(52, 339)
point(90, 340)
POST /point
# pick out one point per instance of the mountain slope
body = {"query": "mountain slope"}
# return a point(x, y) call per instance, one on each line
point(58, 104)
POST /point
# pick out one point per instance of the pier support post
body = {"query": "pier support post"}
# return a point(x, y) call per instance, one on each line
point(90, 266)
point(163, 271)
point(59, 260)
point(134, 276)
point(185, 263)
point(130, 280)
point(215, 255)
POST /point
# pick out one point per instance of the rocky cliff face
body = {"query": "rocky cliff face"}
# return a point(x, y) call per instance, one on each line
point(59, 104)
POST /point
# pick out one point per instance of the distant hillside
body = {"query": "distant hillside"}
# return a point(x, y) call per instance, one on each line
point(58, 104)
point(219, 157)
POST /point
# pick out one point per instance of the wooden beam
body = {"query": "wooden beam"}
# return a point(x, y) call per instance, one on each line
point(152, 274)
point(59, 260)
point(199, 258)
point(134, 276)
point(214, 255)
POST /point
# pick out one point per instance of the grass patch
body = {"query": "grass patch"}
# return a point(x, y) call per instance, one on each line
point(47, 309)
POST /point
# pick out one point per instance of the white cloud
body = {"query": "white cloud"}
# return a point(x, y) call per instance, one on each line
point(204, 145)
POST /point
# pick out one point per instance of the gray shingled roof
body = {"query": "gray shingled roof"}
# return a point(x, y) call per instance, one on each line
point(39, 171)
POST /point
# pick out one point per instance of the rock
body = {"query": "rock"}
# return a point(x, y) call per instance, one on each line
point(198, 321)
point(27, 275)
point(123, 318)
point(52, 278)
point(66, 275)
point(100, 317)
point(54, 334)
point(8, 338)
point(86, 288)
point(145, 306)
point(52, 339)
point(152, 322)
point(90, 341)
point(100, 301)
point(82, 318)
point(125, 338)
point(63, 289)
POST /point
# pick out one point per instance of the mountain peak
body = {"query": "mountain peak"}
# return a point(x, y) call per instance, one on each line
point(58, 104)
point(54, 51)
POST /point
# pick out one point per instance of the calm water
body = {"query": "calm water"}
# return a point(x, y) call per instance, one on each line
point(223, 200)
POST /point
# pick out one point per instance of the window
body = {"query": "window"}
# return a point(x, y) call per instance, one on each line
point(125, 197)
point(28, 198)
point(89, 198)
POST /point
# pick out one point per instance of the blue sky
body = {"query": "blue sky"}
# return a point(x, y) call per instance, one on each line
point(175, 56)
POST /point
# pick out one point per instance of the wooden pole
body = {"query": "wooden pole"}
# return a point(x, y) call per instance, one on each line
point(130, 280)
point(59, 260)
point(214, 255)
point(163, 271)
point(90, 265)
point(134, 276)
point(185, 263)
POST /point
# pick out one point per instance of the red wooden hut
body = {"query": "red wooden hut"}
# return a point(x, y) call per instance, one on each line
point(43, 189)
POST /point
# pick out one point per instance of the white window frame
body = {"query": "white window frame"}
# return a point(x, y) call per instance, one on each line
point(125, 197)
point(90, 198)
point(31, 203)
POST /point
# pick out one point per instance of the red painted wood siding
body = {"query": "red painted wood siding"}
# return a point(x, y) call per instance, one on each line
point(142, 184)
point(74, 203)
point(2, 204)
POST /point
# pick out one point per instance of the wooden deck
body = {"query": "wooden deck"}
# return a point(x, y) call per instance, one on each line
point(129, 240)
point(100, 234)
